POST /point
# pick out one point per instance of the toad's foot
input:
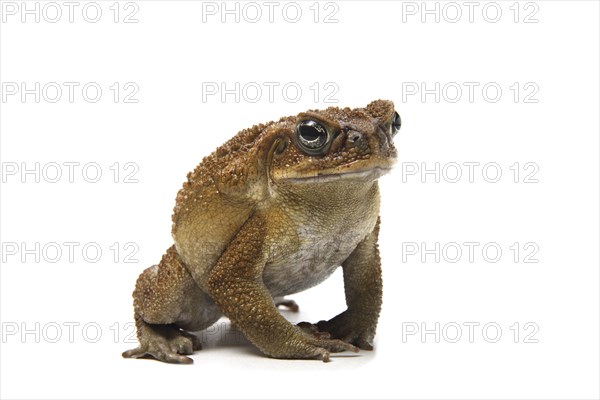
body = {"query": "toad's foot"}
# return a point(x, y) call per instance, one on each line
point(342, 327)
point(291, 305)
point(165, 343)
point(316, 345)
point(312, 329)
point(321, 347)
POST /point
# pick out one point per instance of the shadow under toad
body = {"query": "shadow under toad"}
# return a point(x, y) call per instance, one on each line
point(224, 334)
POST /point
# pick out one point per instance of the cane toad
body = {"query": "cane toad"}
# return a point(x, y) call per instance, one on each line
point(272, 212)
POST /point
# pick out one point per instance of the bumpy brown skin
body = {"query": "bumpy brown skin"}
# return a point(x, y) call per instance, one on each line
point(261, 218)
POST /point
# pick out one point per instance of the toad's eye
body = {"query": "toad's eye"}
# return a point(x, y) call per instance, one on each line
point(396, 123)
point(312, 137)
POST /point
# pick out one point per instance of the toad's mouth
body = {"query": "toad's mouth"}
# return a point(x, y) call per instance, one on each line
point(364, 176)
point(351, 172)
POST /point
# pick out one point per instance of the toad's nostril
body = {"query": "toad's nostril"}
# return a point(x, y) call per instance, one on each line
point(354, 136)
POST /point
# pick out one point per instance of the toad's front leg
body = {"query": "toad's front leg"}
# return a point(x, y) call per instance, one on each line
point(363, 287)
point(235, 283)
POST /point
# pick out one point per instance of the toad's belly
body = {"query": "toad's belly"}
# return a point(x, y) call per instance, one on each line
point(299, 272)
point(310, 245)
point(310, 263)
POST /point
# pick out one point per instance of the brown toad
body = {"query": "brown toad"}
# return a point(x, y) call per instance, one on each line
point(272, 212)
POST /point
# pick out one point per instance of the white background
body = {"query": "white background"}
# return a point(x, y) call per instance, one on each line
point(375, 50)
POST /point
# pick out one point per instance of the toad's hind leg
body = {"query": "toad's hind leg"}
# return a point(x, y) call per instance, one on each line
point(167, 303)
